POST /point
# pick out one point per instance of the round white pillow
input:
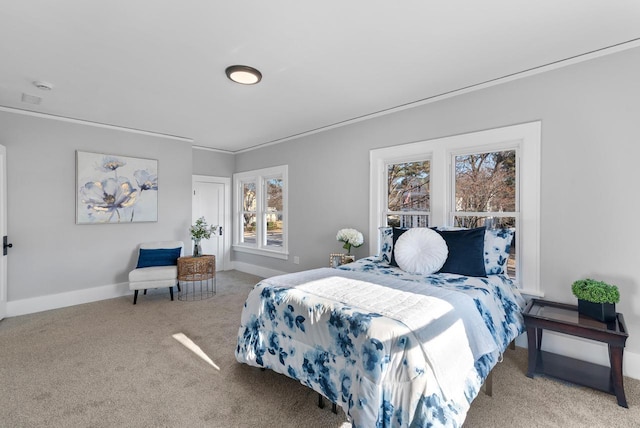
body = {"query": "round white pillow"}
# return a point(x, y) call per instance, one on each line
point(421, 250)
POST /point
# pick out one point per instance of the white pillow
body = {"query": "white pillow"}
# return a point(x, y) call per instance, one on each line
point(421, 250)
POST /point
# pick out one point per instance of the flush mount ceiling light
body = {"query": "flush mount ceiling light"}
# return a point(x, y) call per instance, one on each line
point(243, 74)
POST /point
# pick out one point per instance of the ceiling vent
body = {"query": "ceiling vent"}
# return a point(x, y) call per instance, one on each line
point(31, 99)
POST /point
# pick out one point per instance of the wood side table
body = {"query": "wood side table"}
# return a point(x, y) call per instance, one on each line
point(197, 277)
point(542, 314)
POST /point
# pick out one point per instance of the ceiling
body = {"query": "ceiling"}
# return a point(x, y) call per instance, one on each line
point(159, 65)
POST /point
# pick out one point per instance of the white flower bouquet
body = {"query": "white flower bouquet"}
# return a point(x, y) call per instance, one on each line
point(351, 238)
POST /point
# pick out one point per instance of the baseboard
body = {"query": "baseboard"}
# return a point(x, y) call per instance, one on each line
point(256, 270)
point(631, 364)
point(62, 300)
point(584, 349)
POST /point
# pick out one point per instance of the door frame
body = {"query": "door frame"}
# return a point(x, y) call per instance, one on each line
point(3, 230)
point(227, 234)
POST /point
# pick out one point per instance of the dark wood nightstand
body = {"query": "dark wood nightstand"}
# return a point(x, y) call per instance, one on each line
point(542, 314)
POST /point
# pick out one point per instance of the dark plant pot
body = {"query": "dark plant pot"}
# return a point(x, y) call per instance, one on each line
point(605, 312)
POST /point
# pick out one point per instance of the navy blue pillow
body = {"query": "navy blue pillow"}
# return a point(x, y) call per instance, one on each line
point(158, 257)
point(396, 234)
point(466, 252)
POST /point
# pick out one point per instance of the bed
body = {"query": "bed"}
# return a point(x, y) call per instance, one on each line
point(391, 348)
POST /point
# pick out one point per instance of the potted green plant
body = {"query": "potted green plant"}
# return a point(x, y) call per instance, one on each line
point(596, 299)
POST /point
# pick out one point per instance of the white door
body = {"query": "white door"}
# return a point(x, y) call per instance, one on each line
point(210, 200)
point(3, 230)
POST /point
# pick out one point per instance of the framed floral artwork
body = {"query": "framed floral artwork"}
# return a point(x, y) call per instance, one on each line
point(115, 189)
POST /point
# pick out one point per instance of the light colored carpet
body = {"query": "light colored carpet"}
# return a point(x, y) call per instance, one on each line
point(112, 364)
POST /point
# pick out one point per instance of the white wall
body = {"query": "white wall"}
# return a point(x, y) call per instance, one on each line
point(590, 153)
point(53, 259)
point(213, 163)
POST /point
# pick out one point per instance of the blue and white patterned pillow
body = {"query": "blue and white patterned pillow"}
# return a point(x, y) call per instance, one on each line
point(497, 244)
point(386, 244)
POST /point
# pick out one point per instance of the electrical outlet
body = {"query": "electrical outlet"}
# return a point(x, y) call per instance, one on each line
point(296, 260)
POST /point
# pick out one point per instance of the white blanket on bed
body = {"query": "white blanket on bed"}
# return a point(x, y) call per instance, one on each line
point(447, 323)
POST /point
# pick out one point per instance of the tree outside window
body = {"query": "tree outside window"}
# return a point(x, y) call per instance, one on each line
point(274, 212)
point(485, 193)
point(408, 197)
point(484, 183)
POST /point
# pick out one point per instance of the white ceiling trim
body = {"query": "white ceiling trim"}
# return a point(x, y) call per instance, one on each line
point(211, 149)
point(94, 124)
point(497, 81)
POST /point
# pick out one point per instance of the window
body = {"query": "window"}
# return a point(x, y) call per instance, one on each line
point(485, 193)
point(261, 212)
point(488, 178)
point(408, 194)
point(249, 217)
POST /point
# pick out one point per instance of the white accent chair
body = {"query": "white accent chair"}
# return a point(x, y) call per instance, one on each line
point(157, 269)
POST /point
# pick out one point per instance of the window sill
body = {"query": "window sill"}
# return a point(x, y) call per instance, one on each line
point(262, 252)
point(530, 293)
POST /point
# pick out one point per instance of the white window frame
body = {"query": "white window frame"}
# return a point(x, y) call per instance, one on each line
point(260, 177)
point(524, 138)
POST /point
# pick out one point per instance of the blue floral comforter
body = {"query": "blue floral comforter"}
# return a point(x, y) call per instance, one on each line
point(390, 348)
